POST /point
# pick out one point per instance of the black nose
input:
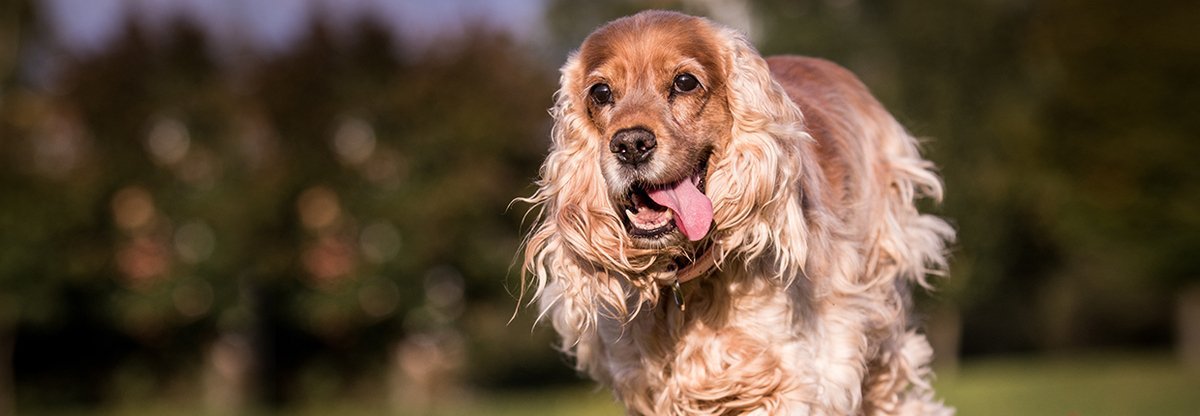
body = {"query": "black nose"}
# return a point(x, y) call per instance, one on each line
point(633, 146)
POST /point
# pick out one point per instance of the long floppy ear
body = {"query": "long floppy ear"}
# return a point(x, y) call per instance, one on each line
point(571, 189)
point(578, 259)
point(764, 182)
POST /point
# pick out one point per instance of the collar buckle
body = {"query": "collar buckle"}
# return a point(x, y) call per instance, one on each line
point(677, 293)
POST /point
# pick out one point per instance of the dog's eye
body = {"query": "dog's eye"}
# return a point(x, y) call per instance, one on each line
point(686, 83)
point(601, 94)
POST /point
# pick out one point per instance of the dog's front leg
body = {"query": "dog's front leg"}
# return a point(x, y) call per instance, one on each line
point(841, 347)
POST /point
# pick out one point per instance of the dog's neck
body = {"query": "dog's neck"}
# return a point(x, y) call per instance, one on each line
point(701, 266)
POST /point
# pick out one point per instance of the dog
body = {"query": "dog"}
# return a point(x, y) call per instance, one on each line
point(719, 233)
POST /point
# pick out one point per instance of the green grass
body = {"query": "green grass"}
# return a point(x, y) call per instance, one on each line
point(1121, 384)
point(573, 402)
point(1086, 385)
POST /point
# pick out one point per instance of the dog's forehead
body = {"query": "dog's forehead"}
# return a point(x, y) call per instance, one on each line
point(654, 40)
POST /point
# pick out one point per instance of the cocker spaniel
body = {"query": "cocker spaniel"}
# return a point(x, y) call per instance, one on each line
point(721, 233)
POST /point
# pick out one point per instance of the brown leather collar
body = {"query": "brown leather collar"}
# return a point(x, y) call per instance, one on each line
point(701, 266)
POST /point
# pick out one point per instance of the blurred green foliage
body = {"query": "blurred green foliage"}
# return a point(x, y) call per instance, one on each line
point(305, 220)
point(333, 222)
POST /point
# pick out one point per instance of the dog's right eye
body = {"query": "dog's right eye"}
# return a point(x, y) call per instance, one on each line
point(601, 94)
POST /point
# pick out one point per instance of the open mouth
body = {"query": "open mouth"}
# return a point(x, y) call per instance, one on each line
point(655, 211)
point(646, 218)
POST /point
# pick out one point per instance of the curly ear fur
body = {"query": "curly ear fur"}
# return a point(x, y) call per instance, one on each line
point(578, 257)
point(760, 177)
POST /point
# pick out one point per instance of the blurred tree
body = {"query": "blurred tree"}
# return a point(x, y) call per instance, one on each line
point(13, 15)
point(1120, 89)
point(302, 224)
point(31, 214)
point(398, 174)
point(150, 253)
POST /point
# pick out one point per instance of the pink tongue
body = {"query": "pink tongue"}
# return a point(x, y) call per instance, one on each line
point(693, 211)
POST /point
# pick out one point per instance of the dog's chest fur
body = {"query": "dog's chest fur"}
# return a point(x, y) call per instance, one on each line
point(735, 344)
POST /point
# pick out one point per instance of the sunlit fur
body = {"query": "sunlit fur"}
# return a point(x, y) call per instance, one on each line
point(816, 236)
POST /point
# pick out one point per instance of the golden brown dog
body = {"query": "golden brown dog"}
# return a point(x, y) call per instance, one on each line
point(724, 234)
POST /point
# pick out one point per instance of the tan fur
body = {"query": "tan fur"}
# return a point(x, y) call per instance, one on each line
point(816, 237)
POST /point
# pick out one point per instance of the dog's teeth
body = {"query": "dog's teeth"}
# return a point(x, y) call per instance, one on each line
point(664, 218)
point(663, 221)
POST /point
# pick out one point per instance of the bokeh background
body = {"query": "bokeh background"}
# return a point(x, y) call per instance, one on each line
point(304, 206)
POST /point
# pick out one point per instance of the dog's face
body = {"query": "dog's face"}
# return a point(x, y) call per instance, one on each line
point(654, 91)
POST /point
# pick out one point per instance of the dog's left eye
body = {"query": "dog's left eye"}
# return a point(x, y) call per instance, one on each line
point(686, 83)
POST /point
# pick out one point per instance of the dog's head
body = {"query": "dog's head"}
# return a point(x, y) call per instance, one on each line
point(653, 86)
point(670, 138)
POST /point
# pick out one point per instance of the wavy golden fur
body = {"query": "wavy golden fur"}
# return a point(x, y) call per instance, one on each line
point(795, 298)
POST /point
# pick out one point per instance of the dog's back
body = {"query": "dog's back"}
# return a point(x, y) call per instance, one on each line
point(861, 146)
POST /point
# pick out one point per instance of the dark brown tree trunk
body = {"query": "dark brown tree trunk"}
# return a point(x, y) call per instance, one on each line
point(944, 330)
point(1187, 324)
point(8, 400)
